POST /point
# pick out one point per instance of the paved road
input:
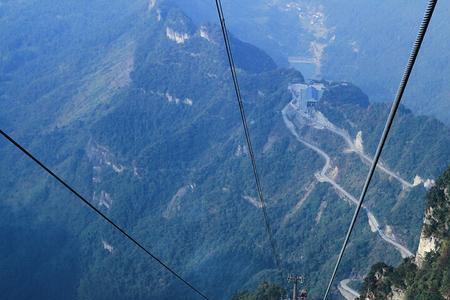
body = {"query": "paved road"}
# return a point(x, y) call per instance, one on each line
point(404, 252)
point(364, 157)
point(320, 121)
point(346, 291)
point(323, 177)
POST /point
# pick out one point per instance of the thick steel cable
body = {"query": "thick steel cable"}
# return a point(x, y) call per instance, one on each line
point(247, 133)
point(401, 89)
point(107, 219)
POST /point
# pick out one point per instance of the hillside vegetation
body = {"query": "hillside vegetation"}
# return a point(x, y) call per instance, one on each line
point(139, 115)
point(431, 279)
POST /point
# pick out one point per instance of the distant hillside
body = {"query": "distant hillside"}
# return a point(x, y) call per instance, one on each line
point(363, 42)
point(142, 119)
point(265, 291)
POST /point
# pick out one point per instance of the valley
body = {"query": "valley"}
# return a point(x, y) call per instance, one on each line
point(141, 118)
point(294, 118)
point(292, 113)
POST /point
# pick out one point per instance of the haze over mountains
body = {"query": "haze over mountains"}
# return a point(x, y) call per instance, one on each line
point(132, 103)
point(365, 42)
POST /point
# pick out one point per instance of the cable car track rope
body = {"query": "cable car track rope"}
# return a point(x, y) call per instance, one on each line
point(237, 90)
point(401, 89)
point(395, 105)
point(106, 218)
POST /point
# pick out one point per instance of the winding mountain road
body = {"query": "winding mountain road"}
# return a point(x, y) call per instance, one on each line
point(290, 111)
point(346, 291)
point(319, 121)
point(364, 157)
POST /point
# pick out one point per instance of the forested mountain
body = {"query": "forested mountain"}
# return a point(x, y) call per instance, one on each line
point(138, 113)
point(365, 42)
point(265, 291)
point(428, 276)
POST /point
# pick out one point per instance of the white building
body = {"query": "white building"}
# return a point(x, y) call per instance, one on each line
point(307, 95)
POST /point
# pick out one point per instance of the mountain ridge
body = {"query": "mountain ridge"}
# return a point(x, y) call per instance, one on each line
point(166, 159)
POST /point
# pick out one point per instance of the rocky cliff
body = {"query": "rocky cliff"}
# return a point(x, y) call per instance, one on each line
point(427, 276)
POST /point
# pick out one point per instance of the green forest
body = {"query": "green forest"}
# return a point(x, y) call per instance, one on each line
point(148, 128)
point(431, 280)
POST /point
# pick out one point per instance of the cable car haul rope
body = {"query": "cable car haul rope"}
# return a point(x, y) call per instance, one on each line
point(237, 90)
point(102, 215)
point(395, 105)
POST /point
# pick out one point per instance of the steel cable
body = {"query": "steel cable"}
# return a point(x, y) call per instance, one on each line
point(401, 89)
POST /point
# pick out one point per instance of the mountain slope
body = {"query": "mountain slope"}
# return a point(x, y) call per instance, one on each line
point(426, 277)
point(164, 156)
point(366, 43)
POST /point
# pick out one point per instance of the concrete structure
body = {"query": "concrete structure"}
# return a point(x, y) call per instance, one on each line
point(307, 95)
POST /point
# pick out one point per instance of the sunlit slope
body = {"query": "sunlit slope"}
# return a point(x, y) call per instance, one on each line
point(165, 157)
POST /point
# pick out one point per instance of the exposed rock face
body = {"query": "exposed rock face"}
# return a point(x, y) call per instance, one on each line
point(175, 203)
point(425, 276)
point(359, 142)
point(108, 247)
point(426, 245)
point(178, 37)
point(398, 294)
point(101, 157)
point(427, 183)
point(151, 4)
point(204, 33)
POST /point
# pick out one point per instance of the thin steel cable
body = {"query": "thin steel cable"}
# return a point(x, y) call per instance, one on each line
point(401, 89)
point(107, 219)
point(247, 133)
